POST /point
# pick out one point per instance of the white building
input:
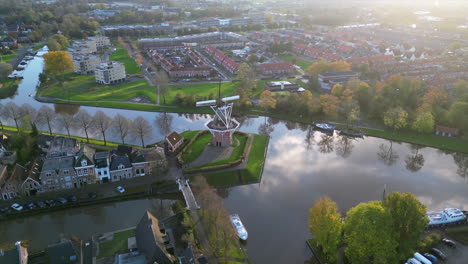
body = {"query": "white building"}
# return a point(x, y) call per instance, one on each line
point(111, 72)
point(101, 41)
point(84, 47)
point(85, 64)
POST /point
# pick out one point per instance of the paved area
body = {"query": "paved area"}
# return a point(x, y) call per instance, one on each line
point(184, 187)
point(210, 154)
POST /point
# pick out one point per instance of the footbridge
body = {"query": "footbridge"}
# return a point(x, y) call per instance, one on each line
point(184, 187)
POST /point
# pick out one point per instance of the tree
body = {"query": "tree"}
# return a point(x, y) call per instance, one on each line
point(164, 123)
point(121, 125)
point(340, 66)
point(387, 155)
point(5, 69)
point(267, 101)
point(329, 104)
point(12, 111)
point(337, 90)
point(57, 42)
point(162, 84)
point(141, 128)
point(46, 116)
point(458, 115)
point(58, 62)
point(415, 161)
point(396, 118)
point(325, 225)
point(85, 121)
point(318, 67)
point(409, 220)
point(247, 77)
point(102, 122)
point(424, 123)
point(455, 45)
point(436, 97)
point(368, 234)
point(66, 121)
point(30, 113)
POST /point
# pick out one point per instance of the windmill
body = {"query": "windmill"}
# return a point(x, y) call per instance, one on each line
point(222, 126)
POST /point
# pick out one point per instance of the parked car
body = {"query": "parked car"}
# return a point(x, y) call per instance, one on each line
point(120, 189)
point(439, 254)
point(430, 257)
point(449, 243)
point(41, 204)
point(4, 209)
point(92, 195)
point(17, 207)
point(51, 203)
point(30, 206)
point(73, 199)
point(62, 200)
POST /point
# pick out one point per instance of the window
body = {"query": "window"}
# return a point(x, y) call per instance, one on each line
point(121, 166)
point(85, 171)
point(67, 178)
point(48, 174)
point(142, 171)
point(84, 163)
point(99, 173)
point(105, 172)
point(80, 172)
point(66, 172)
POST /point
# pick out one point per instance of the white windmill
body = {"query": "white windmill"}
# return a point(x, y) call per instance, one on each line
point(222, 126)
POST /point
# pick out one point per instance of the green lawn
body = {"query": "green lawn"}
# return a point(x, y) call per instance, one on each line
point(38, 46)
point(8, 57)
point(8, 87)
point(78, 87)
point(201, 89)
point(254, 167)
point(122, 56)
point(296, 60)
point(119, 243)
point(196, 149)
point(460, 234)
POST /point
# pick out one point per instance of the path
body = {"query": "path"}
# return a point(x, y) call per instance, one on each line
point(211, 154)
point(184, 187)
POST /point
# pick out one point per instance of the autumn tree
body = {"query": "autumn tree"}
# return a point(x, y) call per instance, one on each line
point(424, 123)
point(141, 128)
point(326, 227)
point(85, 122)
point(102, 123)
point(329, 104)
point(267, 101)
point(5, 69)
point(458, 115)
point(321, 66)
point(47, 116)
point(408, 217)
point(368, 234)
point(121, 125)
point(396, 118)
point(57, 42)
point(340, 66)
point(58, 62)
point(337, 90)
point(247, 77)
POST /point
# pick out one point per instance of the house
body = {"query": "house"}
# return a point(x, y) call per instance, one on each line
point(84, 166)
point(11, 186)
point(84, 47)
point(15, 255)
point(3, 178)
point(32, 184)
point(9, 42)
point(446, 131)
point(153, 240)
point(85, 64)
point(101, 41)
point(120, 168)
point(62, 147)
point(58, 173)
point(111, 72)
point(174, 141)
point(64, 252)
point(329, 79)
point(281, 86)
point(145, 161)
point(280, 68)
point(102, 166)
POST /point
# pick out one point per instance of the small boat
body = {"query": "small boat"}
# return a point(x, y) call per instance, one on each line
point(28, 58)
point(324, 127)
point(447, 216)
point(237, 224)
point(351, 133)
point(23, 63)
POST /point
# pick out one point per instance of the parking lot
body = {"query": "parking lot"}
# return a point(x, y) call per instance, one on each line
point(458, 255)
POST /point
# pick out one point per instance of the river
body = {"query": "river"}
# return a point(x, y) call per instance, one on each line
point(301, 166)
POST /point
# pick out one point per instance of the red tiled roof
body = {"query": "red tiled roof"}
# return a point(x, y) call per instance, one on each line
point(451, 130)
point(280, 66)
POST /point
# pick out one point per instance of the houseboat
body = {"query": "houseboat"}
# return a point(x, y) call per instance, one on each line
point(447, 216)
point(238, 226)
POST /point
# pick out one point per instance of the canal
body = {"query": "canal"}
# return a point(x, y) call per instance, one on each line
point(301, 166)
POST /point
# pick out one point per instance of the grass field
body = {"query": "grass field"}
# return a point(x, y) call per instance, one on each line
point(8, 57)
point(119, 243)
point(8, 87)
point(38, 46)
point(296, 60)
point(460, 234)
point(122, 56)
point(201, 89)
point(78, 87)
point(197, 148)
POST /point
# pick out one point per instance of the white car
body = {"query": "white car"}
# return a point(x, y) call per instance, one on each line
point(120, 189)
point(17, 207)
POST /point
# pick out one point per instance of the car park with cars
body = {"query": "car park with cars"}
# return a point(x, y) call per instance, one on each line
point(449, 243)
point(438, 253)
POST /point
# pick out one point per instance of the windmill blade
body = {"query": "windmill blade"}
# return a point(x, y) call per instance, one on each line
point(206, 103)
point(230, 98)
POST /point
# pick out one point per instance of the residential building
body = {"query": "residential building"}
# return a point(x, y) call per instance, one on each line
point(111, 72)
point(228, 63)
point(58, 173)
point(62, 147)
point(329, 79)
point(85, 64)
point(217, 39)
point(153, 241)
point(5, 195)
point(16, 255)
point(84, 47)
point(9, 42)
point(101, 41)
point(146, 161)
point(280, 68)
point(174, 141)
point(102, 166)
point(32, 184)
point(446, 131)
point(84, 166)
point(120, 168)
point(282, 86)
point(11, 187)
point(188, 64)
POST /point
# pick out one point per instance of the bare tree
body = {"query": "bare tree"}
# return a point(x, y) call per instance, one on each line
point(141, 128)
point(85, 121)
point(102, 122)
point(164, 123)
point(13, 112)
point(121, 125)
point(47, 116)
point(1, 116)
point(30, 112)
point(161, 80)
point(67, 121)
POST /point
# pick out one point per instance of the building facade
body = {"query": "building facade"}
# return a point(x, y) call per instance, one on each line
point(85, 64)
point(111, 72)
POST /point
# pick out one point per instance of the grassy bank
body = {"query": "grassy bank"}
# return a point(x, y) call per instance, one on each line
point(121, 55)
point(9, 57)
point(8, 87)
point(119, 243)
point(197, 148)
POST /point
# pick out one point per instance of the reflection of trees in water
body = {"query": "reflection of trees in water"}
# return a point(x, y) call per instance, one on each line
point(266, 128)
point(160, 209)
point(344, 146)
point(189, 116)
point(223, 192)
point(303, 126)
point(462, 162)
point(290, 125)
point(415, 161)
point(164, 123)
point(309, 139)
point(387, 155)
point(325, 144)
point(66, 109)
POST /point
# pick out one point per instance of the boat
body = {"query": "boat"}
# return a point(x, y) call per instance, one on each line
point(447, 216)
point(324, 127)
point(240, 229)
point(351, 133)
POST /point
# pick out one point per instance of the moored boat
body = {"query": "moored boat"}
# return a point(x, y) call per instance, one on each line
point(447, 216)
point(238, 226)
point(351, 133)
point(324, 127)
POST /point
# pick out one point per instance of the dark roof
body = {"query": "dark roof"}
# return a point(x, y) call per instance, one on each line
point(150, 240)
point(35, 169)
point(102, 155)
point(62, 253)
point(122, 149)
point(174, 137)
point(19, 174)
point(85, 153)
point(148, 155)
point(44, 140)
point(118, 160)
point(337, 73)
